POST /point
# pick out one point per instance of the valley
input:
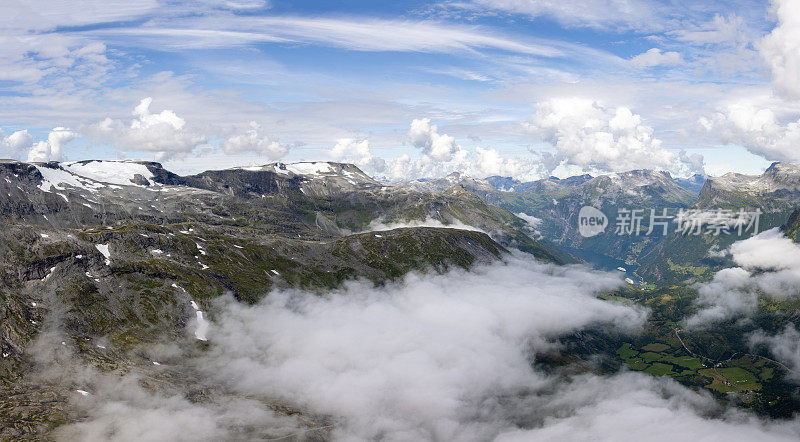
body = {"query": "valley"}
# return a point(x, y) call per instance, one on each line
point(116, 270)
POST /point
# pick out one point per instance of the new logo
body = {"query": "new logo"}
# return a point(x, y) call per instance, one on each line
point(591, 222)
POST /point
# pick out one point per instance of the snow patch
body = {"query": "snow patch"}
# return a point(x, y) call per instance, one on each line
point(112, 172)
point(54, 178)
point(201, 329)
point(309, 168)
point(103, 248)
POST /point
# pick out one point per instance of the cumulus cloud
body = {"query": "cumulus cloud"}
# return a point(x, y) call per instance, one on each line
point(13, 145)
point(590, 135)
point(489, 162)
point(164, 133)
point(436, 357)
point(438, 147)
point(781, 48)
point(768, 264)
point(757, 127)
point(657, 57)
point(252, 140)
point(357, 152)
point(695, 163)
point(442, 155)
point(768, 125)
point(480, 163)
point(49, 150)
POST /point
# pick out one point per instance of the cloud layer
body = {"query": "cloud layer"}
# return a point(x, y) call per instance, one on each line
point(768, 264)
point(428, 359)
point(432, 357)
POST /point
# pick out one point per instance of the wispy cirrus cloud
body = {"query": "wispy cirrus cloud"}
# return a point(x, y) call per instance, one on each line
point(353, 33)
point(599, 14)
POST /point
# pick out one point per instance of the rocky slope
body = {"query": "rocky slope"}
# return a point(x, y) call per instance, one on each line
point(774, 193)
point(102, 261)
point(554, 205)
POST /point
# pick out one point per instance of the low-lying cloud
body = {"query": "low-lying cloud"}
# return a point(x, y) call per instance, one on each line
point(768, 264)
point(379, 225)
point(432, 357)
point(634, 407)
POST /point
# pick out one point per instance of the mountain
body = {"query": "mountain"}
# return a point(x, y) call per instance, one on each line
point(792, 227)
point(442, 184)
point(693, 184)
point(774, 193)
point(771, 191)
point(554, 204)
point(122, 254)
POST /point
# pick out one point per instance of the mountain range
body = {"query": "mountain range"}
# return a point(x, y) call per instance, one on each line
point(120, 254)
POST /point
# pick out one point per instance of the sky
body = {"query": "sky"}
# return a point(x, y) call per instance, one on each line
point(405, 89)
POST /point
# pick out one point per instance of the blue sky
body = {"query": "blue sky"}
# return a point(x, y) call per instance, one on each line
point(405, 89)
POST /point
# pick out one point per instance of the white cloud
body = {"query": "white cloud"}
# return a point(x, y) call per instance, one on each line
point(753, 124)
point(163, 133)
point(254, 141)
point(431, 357)
point(633, 407)
point(436, 357)
point(695, 163)
point(425, 136)
point(530, 219)
point(490, 162)
point(781, 48)
point(26, 15)
point(769, 264)
point(50, 150)
point(357, 152)
point(589, 135)
point(442, 156)
point(726, 296)
point(121, 407)
point(769, 251)
point(785, 346)
point(768, 125)
point(656, 57)
point(614, 14)
point(360, 34)
point(15, 144)
point(380, 225)
point(725, 30)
